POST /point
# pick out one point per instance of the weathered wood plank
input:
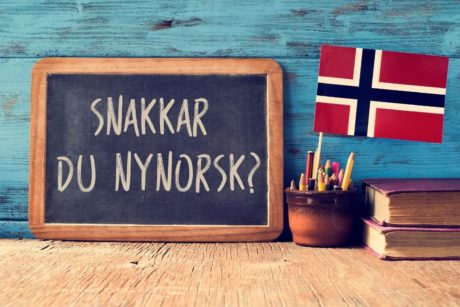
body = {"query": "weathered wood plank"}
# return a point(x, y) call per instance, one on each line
point(15, 229)
point(265, 274)
point(14, 145)
point(255, 28)
point(375, 157)
point(15, 81)
point(13, 201)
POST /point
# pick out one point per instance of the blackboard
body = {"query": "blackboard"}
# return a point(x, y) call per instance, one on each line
point(182, 152)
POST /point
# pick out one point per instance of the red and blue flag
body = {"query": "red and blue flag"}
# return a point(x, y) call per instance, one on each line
point(379, 93)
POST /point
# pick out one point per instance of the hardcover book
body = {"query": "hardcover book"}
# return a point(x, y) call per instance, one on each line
point(414, 202)
point(399, 243)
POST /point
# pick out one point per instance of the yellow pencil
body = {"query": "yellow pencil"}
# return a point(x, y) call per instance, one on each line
point(321, 183)
point(302, 183)
point(348, 170)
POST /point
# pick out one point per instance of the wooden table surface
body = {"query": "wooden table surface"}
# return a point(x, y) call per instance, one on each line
point(254, 274)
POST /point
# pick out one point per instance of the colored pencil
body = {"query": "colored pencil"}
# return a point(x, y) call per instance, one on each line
point(309, 165)
point(321, 183)
point(348, 171)
point(302, 183)
point(336, 168)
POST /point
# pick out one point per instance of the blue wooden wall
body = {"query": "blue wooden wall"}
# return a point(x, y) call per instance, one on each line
point(289, 31)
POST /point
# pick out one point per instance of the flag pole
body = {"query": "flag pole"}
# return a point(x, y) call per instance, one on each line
point(317, 157)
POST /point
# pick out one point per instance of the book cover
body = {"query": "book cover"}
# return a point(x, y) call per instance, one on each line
point(389, 186)
point(424, 202)
point(378, 242)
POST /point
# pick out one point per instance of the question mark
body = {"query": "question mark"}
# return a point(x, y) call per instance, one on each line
point(253, 170)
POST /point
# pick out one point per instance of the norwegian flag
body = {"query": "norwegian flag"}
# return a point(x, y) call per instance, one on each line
point(379, 93)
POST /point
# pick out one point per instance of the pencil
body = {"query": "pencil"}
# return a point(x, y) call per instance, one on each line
point(327, 181)
point(302, 183)
point(320, 171)
point(348, 170)
point(336, 168)
point(309, 166)
point(334, 179)
point(321, 183)
point(340, 177)
point(328, 168)
point(311, 184)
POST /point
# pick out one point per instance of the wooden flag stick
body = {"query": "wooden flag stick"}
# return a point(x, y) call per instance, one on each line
point(317, 158)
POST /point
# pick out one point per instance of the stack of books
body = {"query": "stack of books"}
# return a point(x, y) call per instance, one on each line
point(413, 218)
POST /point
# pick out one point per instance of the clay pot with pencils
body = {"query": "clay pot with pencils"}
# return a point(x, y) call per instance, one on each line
point(321, 211)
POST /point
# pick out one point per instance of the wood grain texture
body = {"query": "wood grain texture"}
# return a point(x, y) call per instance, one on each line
point(15, 229)
point(289, 31)
point(44, 273)
point(254, 28)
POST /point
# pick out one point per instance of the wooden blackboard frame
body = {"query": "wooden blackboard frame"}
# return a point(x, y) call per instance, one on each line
point(172, 233)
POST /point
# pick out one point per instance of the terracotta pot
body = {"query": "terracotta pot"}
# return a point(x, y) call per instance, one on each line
point(321, 218)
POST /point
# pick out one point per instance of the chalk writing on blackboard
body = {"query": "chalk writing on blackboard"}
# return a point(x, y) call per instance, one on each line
point(150, 116)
